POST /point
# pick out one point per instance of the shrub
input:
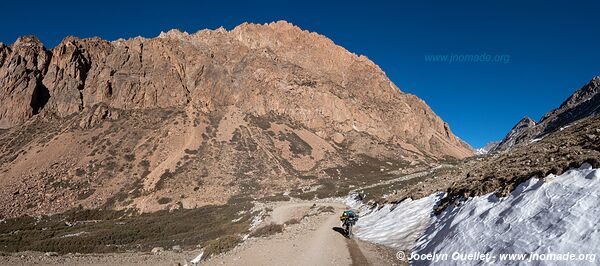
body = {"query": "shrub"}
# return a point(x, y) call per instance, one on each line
point(79, 172)
point(221, 245)
point(161, 181)
point(145, 163)
point(129, 157)
point(292, 221)
point(164, 200)
point(328, 209)
point(267, 230)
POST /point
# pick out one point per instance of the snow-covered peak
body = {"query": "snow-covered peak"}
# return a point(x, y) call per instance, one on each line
point(487, 148)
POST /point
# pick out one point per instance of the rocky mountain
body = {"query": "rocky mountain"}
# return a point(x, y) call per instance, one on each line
point(186, 120)
point(517, 134)
point(585, 102)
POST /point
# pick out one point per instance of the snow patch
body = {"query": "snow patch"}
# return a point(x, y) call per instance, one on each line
point(354, 202)
point(256, 220)
point(536, 140)
point(75, 234)
point(197, 259)
point(397, 226)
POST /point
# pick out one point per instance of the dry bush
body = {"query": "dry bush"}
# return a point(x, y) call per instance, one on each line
point(164, 200)
point(323, 209)
point(121, 231)
point(267, 230)
point(221, 245)
point(292, 221)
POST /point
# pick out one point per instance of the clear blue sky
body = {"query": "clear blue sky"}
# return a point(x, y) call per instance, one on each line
point(553, 45)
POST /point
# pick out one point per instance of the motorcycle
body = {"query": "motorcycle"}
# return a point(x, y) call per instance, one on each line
point(347, 225)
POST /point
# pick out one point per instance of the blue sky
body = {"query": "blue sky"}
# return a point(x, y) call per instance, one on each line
point(553, 45)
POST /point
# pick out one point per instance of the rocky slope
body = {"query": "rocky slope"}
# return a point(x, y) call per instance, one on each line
point(583, 103)
point(187, 120)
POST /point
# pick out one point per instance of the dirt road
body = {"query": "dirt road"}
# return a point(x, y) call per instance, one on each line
point(313, 241)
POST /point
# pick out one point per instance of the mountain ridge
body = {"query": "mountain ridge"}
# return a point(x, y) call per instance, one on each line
point(77, 76)
point(584, 102)
point(189, 120)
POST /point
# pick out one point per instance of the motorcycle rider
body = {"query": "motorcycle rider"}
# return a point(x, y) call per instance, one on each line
point(348, 219)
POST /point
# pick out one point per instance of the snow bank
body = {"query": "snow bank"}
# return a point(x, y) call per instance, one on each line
point(558, 216)
point(397, 226)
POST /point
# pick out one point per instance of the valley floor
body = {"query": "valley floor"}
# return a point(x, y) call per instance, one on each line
point(554, 214)
point(313, 240)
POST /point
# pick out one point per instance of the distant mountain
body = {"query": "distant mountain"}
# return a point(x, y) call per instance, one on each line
point(487, 148)
point(583, 103)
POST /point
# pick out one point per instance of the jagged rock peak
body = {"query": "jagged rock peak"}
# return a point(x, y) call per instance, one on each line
point(28, 40)
point(525, 122)
point(174, 34)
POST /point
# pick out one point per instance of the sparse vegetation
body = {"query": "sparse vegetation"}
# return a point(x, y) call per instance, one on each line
point(166, 175)
point(260, 122)
point(116, 231)
point(129, 157)
point(188, 151)
point(145, 163)
point(85, 194)
point(292, 221)
point(276, 197)
point(221, 245)
point(324, 209)
point(326, 188)
point(297, 145)
point(79, 172)
point(267, 230)
point(164, 200)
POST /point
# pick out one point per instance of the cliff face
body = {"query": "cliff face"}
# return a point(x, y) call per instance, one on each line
point(22, 66)
point(275, 68)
